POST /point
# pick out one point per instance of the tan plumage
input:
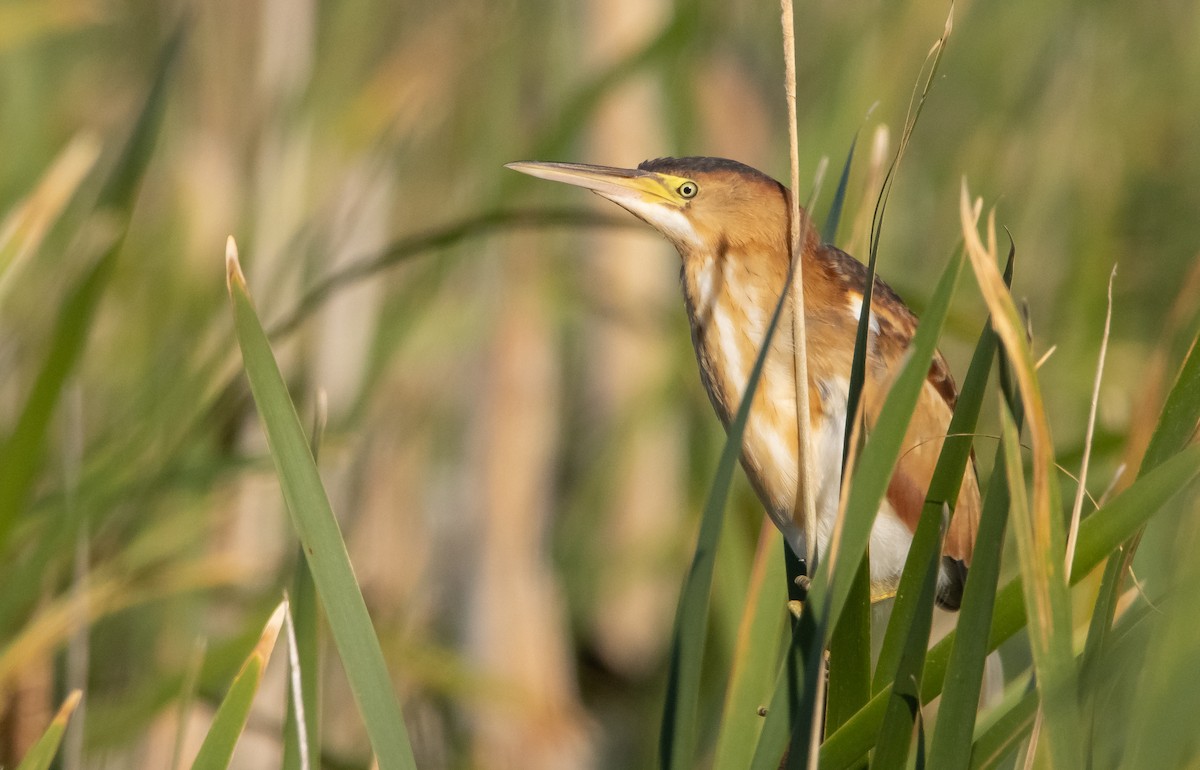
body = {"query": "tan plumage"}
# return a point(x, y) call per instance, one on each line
point(730, 224)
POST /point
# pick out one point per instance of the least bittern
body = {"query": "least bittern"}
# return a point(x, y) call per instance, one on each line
point(730, 224)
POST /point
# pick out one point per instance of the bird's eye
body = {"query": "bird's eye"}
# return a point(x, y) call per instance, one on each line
point(688, 190)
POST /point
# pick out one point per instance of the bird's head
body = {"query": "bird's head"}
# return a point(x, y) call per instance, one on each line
point(702, 205)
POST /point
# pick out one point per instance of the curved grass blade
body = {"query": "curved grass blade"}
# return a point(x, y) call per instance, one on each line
point(1178, 422)
point(968, 652)
point(319, 535)
point(1161, 728)
point(951, 743)
point(916, 105)
point(1010, 722)
point(789, 709)
point(1050, 621)
point(41, 755)
point(854, 667)
point(1039, 528)
point(944, 487)
point(849, 686)
point(904, 703)
point(436, 239)
point(230, 720)
point(21, 452)
point(832, 585)
point(1099, 534)
point(1005, 734)
point(677, 737)
point(970, 647)
point(1176, 427)
point(850, 645)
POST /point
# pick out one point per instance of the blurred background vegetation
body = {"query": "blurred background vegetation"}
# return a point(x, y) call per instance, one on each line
point(518, 442)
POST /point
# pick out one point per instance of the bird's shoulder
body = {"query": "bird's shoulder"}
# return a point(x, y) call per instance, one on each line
point(897, 324)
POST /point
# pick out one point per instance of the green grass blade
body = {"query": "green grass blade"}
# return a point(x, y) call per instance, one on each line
point(1180, 414)
point(789, 707)
point(41, 755)
point(320, 537)
point(123, 182)
point(1161, 729)
point(1045, 591)
point(916, 105)
point(878, 460)
point(752, 674)
point(677, 737)
point(1099, 534)
point(436, 239)
point(831, 588)
point(1121, 517)
point(1005, 734)
point(850, 655)
point(1039, 528)
point(943, 488)
point(1013, 718)
point(850, 644)
point(976, 614)
point(1175, 428)
point(904, 703)
point(789, 704)
point(230, 720)
point(21, 452)
point(305, 623)
point(951, 746)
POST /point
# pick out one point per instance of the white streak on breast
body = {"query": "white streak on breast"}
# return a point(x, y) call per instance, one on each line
point(705, 287)
point(736, 325)
point(730, 351)
point(768, 446)
point(827, 448)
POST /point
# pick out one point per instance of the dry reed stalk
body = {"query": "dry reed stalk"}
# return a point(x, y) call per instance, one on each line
point(806, 503)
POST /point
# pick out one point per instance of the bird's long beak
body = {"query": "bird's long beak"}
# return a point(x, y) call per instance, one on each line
point(617, 184)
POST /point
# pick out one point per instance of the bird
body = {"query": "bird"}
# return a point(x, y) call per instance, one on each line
point(730, 224)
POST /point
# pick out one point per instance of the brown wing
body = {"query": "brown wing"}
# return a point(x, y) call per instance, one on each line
point(845, 277)
point(926, 434)
point(927, 431)
point(914, 470)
